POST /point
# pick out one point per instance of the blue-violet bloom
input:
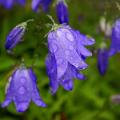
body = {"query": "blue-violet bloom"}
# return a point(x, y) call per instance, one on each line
point(103, 57)
point(115, 38)
point(15, 36)
point(62, 12)
point(65, 58)
point(9, 3)
point(22, 89)
point(43, 3)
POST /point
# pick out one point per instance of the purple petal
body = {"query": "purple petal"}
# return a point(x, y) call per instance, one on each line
point(45, 4)
point(80, 76)
point(9, 94)
point(83, 51)
point(36, 4)
point(74, 59)
point(102, 61)
point(36, 97)
point(14, 37)
point(62, 12)
point(8, 4)
point(67, 84)
point(75, 73)
point(67, 41)
point(56, 48)
point(32, 75)
point(115, 38)
point(61, 66)
point(52, 42)
point(7, 101)
point(83, 39)
point(72, 72)
point(52, 72)
point(112, 52)
point(22, 99)
point(21, 107)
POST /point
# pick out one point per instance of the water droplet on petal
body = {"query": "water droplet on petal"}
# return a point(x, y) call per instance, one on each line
point(61, 67)
point(67, 52)
point(54, 47)
point(22, 80)
point(21, 90)
point(70, 37)
point(71, 47)
point(60, 61)
point(59, 33)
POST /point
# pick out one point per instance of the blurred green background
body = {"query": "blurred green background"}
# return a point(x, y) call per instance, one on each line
point(90, 99)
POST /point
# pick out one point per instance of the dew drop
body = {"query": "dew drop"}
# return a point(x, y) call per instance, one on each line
point(21, 90)
point(22, 80)
point(70, 37)
point(60, 61)
point(67, 52)
point(59, 33)
point(54, 47)
point(71, 47)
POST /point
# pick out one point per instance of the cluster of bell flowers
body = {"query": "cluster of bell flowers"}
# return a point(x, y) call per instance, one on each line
point(66, 57)
point(104, 53)
point(65, 60)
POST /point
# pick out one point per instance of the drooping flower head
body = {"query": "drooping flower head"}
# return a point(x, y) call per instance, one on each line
point(9, 3)
point(103, 57)
point(37, 3)
point(65, 59)
point(115, 38)
point(15, 35)
point(22, 89)
point(62, 12)
point(103, 52)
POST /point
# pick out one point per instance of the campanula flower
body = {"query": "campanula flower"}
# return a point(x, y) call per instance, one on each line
point(9, 3)
point(103, 57)
point(22, 89)
point(62, 12)
point(115, 38)
point(15, 35)
point(65, 59)
point(43, 3)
